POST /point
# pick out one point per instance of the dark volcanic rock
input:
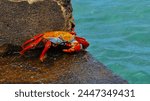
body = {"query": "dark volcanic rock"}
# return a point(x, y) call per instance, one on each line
point(59, 67)
point(19, 21)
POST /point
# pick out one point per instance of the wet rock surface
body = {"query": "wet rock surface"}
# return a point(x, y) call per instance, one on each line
point(20, 21)
point(59, 67)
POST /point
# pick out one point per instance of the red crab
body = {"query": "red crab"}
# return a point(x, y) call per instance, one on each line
point(56, 38)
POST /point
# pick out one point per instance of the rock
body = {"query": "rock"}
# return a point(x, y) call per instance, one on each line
point(59, 67)
point(29, 1)
point(20, 21)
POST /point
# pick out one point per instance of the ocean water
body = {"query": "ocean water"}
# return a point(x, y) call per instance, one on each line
point(119, 35)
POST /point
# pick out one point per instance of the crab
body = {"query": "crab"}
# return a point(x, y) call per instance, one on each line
point(53, 39)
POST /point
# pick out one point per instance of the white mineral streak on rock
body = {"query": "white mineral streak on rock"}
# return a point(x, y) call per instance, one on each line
point(62, 8)
point(29, 1)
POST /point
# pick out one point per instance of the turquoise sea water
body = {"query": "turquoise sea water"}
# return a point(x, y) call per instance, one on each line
point(119, 35)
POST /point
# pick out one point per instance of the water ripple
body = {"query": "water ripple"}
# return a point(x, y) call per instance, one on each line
point(119, 35)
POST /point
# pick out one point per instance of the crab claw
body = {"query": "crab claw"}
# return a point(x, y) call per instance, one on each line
point(76, 47)
point(82, 41)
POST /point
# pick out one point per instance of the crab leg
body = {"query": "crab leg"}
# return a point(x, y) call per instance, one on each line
point(32, 39)
point(32, 45)
point(47, 46)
